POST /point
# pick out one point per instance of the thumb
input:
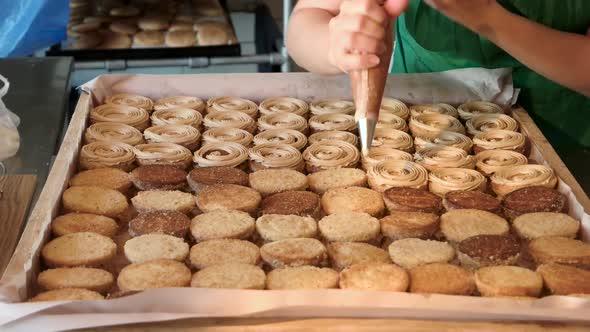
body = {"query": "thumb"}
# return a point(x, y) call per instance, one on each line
point(395, 7)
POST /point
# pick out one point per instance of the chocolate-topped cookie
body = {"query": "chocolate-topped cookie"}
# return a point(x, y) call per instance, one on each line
point(165, 177)
point(471, 200)
point(487, 250)
point(199, 178)
point(300, 203)
point(533, 199)
point(410, 199)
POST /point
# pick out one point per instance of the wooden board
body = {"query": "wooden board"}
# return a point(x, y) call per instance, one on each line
point(17, 191)
point(331, 324)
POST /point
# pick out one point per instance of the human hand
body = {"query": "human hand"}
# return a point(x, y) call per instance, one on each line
point(466, 12)
point(357, 34)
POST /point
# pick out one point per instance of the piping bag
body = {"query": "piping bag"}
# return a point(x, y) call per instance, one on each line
point(367, 89)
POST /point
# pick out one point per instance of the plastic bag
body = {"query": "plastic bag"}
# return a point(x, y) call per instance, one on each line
point(9, 137)
point(30, 25)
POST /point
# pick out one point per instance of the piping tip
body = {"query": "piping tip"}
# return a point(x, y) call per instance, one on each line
point(366, 133)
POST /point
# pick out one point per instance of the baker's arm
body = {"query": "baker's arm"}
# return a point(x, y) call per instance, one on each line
point(560, 56)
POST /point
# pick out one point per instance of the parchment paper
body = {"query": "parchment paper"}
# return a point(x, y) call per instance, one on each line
point(453, 87)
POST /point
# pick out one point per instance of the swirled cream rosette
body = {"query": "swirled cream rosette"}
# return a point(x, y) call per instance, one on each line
point(491, 161)
point(233, 119)
point(332, 121)
point(397, 173)
point(430, 125)
point(290, 137)
point(129, 115)
point(194, 103)
point(163, 154)
point(113, 132)
point(284, 104)
point(225, 154)
point(444, 157)
point(273, 156)
point(184, 135)
point(444, 180)
point(484, 122)
point(107, 154)
point(468, 110)
point(334, 135)
point(446, 109)
point(225, 104)
point(327, 106)
point(389, 120)
point(498, 139)
point(330, 154)
point(282, 120)
point(227, 134)
point(131, 100)
point(395, 107)
point(379, 154)
point(394, 139)
point(445, 138)
point(512, 178)
point(178, 115)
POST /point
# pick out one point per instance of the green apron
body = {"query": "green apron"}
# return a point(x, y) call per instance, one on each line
point(427, 41)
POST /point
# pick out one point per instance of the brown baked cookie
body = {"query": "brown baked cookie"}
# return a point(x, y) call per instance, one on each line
point(96, 200)
point(112, 40)
point(181, 38)
point(441, 278)
point(153, 23)
point(472, 200)
point(84, 222)
point(164, 222)
point(533, 199)
point(299, 203)
point(164, 177)
point(564, 280)
point(561, 250)
point(112, 178)
point(353, 199)
point(200, 178)
point(79, 249)
point(487, 250)
point(86, 41)
point(123, 27)
point(149, 38)
point(229, 197)
point(410, 199)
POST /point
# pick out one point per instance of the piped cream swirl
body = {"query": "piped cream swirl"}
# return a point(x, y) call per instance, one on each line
point(290, 137)
point(107, 154)
point(227, 134)
point(444, 180)
point(512, 178)
point(131, 100)
point(113, 132)
point(194, 103)
point(129, 115)
point(284, 104)
point(227, 154)
point(184, 135)
point(225, 104)
point(397, 173)
point(273, 155)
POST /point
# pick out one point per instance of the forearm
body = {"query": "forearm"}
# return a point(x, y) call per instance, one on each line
point(308, 30)
point(560, 56)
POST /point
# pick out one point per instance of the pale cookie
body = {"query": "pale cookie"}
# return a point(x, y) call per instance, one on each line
point(222, 224)
point(508, 281)
point(95, 200)
point(223, 251)
point(409, 253)
point(159, 273)
point(84, 222)
point(231, 275)
point(302, 277)
point(375, 277)
point(76, 277)
point(67, 294)
point(79, 249)
point(155, 246)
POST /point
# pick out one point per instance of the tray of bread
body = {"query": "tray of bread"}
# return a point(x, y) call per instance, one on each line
point(146, 29)
point(259, 197)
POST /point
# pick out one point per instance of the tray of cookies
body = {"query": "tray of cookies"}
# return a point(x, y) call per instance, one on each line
point(148, 30)
point(174, 195)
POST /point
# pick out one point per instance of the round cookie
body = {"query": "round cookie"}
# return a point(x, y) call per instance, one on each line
point(155, 246)
point(200, 178)
point(181, 38)
point(272, 181)
point(123, 27)
point(95, 200)
point(223, 251)
point(353, 199)
point(112, 178)
point(113, 40)
point(401, 225)
point(222, 224)
point(533, 199)
point(409, 253)
point(87, 41)
point(441, 278)
point(486, 250)
point(228, 197)
point(76, 277)
point(159, 273)
point(555, 249)
point(231, 275)
point(164, 222)
point(84, 222)
point(534, 225)
point(375, 277)
point(565, 280)
point(149, 38)
point(299, 203)
point(67, 294)
point(79, 249)
point(458, 225)
point(494, 281)
point(293, 252)
point(153, 23)
point(163, 200)
point(349, 227)
point(346, 254)
point(472, 200)
point(163, 177)
point(322, 181)
point(411, 200)
point(302, 277)
point(275, 227)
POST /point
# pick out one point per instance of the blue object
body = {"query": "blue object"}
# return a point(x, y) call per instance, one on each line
point(29, 25)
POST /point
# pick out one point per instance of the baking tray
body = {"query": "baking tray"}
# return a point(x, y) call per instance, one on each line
point(179, 303)
point(152, 52)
